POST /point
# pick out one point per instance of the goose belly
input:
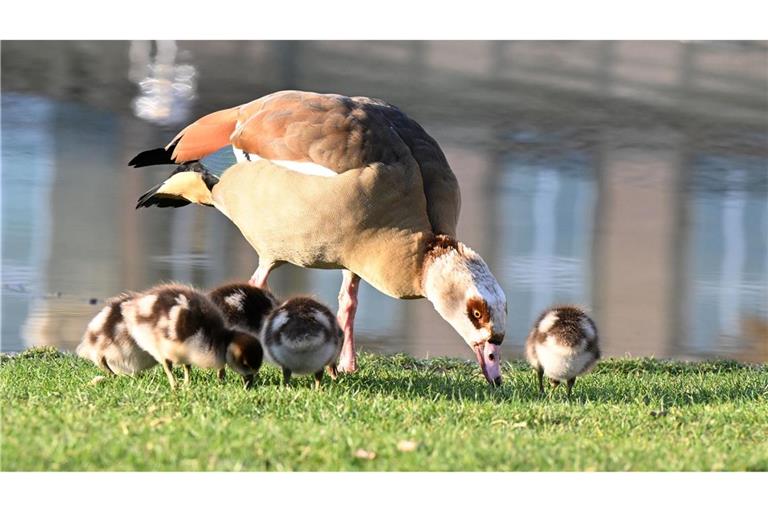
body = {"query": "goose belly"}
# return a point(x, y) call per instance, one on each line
point(286, 216)
point(316, 221)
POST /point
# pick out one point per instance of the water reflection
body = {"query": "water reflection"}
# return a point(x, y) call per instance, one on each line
point(546, 211)
point(630, 178)
point(166, 89)
point(728, 251)
point(26, 217)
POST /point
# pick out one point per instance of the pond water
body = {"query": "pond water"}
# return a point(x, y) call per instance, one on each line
point(628, 177)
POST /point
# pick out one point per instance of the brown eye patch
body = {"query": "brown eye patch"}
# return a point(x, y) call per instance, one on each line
point(478, 313)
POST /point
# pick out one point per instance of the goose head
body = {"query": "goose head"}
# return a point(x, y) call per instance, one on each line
point(465, 293)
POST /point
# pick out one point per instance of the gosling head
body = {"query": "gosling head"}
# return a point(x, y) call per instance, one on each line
point(244, 355)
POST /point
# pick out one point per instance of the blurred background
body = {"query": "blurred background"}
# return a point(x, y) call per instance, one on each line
point(628, 177)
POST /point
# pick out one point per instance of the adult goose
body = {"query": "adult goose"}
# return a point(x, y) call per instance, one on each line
point(336, 182)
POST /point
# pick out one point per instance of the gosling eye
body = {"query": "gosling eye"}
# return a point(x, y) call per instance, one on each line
point(476, 313)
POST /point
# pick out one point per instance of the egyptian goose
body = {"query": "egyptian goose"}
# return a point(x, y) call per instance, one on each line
point(302, 336)
point(562, 345)
point(179, 325)
point(108, 343)
point(333, 182)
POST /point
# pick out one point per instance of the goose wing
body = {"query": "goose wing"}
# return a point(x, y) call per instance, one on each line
point(341, 133)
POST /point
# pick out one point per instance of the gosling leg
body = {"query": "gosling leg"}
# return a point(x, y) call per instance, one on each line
point(540, 375)
point(570, 386)
point(167, 367)
point(186, 374)
point(247, 381)
point(105, 366)
point(220, 374)
point(286, 376)
point(318, 378)
point(333, 371)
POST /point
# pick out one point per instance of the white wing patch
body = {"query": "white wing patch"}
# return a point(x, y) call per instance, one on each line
point(310, 168)
point(97, 323)
point(279, 320)
point(182, 301)
point(547, 322)
point(586, 327)
point(320, 317)
point(236, 300)
point(145, 304)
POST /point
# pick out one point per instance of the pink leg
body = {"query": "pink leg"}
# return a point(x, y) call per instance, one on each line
point(259, 278)
point(346, 318)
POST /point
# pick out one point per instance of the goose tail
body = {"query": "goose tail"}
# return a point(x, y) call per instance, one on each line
point(189, 183)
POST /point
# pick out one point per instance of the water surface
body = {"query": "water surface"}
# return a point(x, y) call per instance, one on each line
point(630, 178)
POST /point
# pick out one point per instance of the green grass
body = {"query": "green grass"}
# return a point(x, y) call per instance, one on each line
point(629, 414)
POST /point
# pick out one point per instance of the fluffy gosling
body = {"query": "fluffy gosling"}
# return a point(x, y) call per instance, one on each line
point(179, 325)
point(562, 345)
point(108, 343)
point(302, 336)
point(244, 307)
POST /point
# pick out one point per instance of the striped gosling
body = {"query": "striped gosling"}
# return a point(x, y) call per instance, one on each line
point(302, 336)
point(179, 325)
point(562, 345)
point(244, 306)
point(108, 343)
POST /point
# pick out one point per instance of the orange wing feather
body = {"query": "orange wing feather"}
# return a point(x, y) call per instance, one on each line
point(206, 135)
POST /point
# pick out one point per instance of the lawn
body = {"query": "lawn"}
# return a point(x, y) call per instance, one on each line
point(396, 413)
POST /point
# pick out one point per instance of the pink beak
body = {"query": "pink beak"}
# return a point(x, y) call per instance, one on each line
point(488, 357)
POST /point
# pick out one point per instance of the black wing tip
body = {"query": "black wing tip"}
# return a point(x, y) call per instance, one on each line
point(147, 196)
point(157, 156)
point(151, 198)
point(162, 201)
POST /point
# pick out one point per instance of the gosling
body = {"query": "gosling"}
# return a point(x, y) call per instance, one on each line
point(302, 336)
point(244, 307)
point(562, 345)
point(108, 343)
point(179, 325)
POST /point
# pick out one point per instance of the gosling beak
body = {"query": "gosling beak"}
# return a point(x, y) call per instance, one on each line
point(488, 357)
